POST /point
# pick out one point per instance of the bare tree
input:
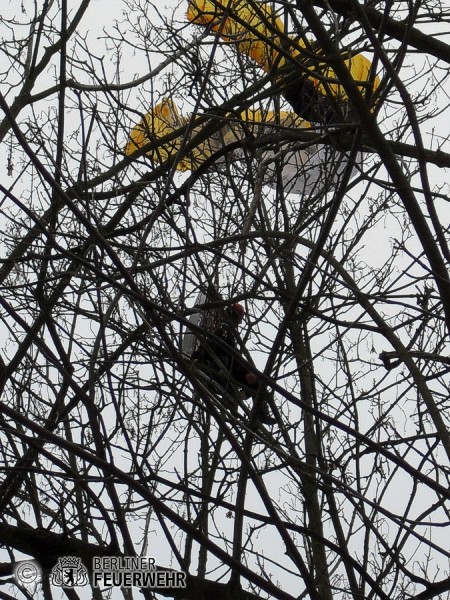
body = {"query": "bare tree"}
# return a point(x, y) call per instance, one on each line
point(331, 232)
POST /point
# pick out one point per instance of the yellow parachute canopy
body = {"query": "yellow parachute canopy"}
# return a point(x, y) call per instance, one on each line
point(158, 127)
point(303, 170)
point(256, 31)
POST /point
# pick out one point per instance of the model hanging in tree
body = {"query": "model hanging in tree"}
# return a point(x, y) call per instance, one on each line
point(217, 358)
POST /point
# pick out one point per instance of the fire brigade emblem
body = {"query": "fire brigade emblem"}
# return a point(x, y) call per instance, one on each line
point(69, 572)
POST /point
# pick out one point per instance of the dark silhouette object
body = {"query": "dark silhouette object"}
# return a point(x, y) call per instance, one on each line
point(219, 362)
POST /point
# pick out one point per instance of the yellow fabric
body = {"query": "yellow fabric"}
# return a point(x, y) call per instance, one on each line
point(257, 120)
point(164, 119)
point(161, 121)
point(250, 30)
point(359, 67)
point(256, 31)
